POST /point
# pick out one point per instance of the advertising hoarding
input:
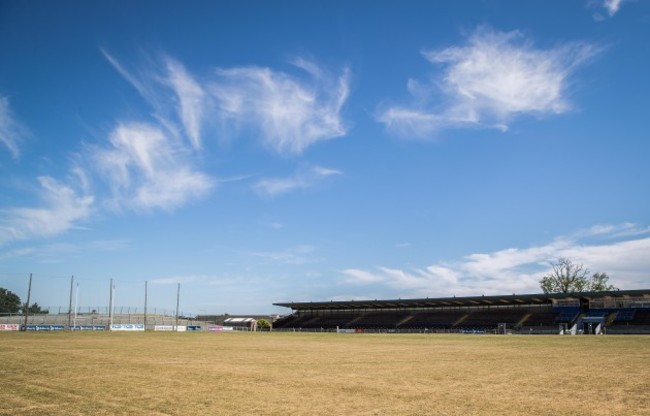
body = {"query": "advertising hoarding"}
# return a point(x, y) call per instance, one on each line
point(89, 328)
point(219, 328)
point(181, 328)
point(44, 327)
point(163, 328)
point(127, 327)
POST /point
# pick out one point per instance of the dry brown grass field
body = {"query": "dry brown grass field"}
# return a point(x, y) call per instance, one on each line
point(322, 374)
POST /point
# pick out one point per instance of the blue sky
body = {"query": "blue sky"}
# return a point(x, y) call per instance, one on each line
point(259, 152)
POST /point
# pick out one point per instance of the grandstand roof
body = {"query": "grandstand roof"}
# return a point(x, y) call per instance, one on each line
point(528, 299)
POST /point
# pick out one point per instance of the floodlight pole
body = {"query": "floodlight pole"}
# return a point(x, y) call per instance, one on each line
point(76, 305)
point(29, 294)
point(110, 306)
point(145, 305)
point(178, 297)
point(70, 306)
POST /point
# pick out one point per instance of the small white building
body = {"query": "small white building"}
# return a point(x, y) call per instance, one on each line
point(249, 324)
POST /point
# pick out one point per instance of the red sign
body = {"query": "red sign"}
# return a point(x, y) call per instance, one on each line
point(9, 327)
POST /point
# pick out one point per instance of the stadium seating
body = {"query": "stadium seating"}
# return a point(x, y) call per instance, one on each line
point(309, 321)
point(442, 319)
point(625, 315)
point(567, 314)
point(380, 320)
point(490, 319)
point(438, 319)
point(641, 317)
point(541, 318)
point(630, 321)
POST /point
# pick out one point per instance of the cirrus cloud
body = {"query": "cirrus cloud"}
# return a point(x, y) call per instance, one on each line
point(145, 169)
point(11, 131)
point(611, 7)
point(62, 209)
point(305, 177)
point(489, 81)
point(290, 113)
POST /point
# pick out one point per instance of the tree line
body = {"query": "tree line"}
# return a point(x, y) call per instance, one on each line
point(10, 303)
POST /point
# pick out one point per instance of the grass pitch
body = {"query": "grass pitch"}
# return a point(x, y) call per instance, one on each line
point(322, 374)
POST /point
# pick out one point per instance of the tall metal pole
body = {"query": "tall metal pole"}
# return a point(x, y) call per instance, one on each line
point(110, 306)
point(178, 297)
point(76, 305)
point(29, 294)
point(70, 307)
point(145, 305)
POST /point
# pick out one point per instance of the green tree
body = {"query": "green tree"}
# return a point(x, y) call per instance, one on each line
point(599, 281)
point(263, 323)
point(9, 301)
point(35, 309)
point(566, 277)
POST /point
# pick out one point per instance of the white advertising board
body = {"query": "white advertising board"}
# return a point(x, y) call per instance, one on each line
point(219, 328)
point(163, 328)
point(9, 327)
point(181, 328)
point(127, 327)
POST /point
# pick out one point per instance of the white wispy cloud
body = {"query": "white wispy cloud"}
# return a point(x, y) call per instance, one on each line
point(626, 229)
point(63, 208)
point(176, 97)
point(132, 79)
point(291, 113)
point(305, 177)
point(174, 280)
point(301, 254)
point(612, 6)
point(514, 270)
point(145, 168)
point(191, 99)
point(494, 78)
point(360, 276)
point(11, 131)
point(20, 252)
point(58, 252)
point(147, 165)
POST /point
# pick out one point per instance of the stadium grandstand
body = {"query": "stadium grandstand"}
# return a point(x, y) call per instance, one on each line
point(612, 312)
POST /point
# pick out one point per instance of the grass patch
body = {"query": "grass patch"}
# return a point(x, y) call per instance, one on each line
point(321, 374)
